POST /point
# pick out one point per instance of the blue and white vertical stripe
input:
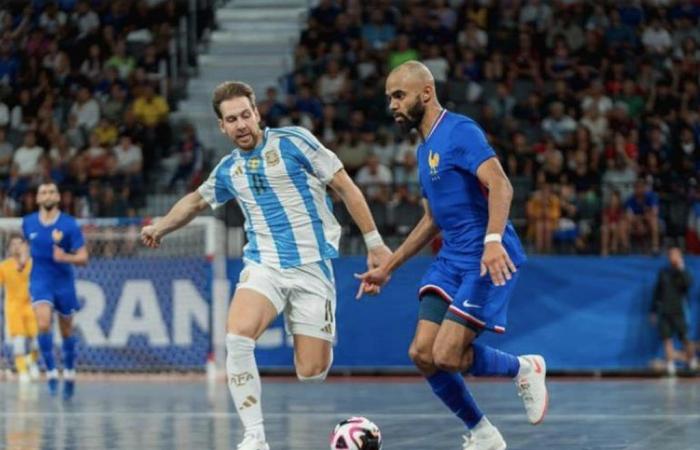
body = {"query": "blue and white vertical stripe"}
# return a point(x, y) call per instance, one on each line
point(281, 188)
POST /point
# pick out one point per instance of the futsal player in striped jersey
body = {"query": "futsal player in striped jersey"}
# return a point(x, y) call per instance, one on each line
point(278, 176)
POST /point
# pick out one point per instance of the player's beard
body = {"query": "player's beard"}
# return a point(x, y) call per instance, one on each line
point(49, 206)
point(413, 117)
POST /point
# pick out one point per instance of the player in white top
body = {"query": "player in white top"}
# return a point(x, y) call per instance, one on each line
point(278, 176)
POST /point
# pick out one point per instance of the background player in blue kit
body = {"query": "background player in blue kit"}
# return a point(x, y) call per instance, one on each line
point(56, 244)
point(466, 197)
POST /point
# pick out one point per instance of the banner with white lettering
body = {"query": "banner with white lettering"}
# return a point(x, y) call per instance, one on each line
point(144, 314)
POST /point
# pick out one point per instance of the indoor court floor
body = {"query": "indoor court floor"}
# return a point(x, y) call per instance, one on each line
point(171, 413)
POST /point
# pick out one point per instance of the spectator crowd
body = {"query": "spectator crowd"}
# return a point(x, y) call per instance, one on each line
point(85, 99)
point(593, 108)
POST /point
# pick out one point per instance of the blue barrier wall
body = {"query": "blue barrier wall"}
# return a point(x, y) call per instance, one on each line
point(580, 312)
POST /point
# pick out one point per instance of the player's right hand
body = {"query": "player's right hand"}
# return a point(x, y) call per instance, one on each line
point(150, 236)
point(372, 281)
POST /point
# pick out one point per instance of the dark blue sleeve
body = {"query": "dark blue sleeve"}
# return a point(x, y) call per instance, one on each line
point(76, 237)
point(470, 146)
point(652, 200)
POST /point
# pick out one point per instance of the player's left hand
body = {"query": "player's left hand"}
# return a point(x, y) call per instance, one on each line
point(496, 262)
point(59, 255)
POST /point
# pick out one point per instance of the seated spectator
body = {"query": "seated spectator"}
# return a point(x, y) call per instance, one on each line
point(558, 125)
point(402, 51)
point(189, 153)
point(115, 104)
point(543, 211)
point(6, 152)
point(106, 132)
point(95, 157)
point(620, 174)
point(27, 156)
point(271, 109)
point(377, 33)
point(129, 157)
point(406, 174)
point(61, 152)
point(124, 63)
point(614, 235)
point(332, 82)
point(75, 133)
point(436, 63)
point(86, 109)
point(374, 179)
point(643, 215)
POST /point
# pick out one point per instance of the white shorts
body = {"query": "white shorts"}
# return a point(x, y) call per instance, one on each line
point(305, 294)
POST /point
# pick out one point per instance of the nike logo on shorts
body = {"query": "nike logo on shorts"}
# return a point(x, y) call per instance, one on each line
point(466, 304)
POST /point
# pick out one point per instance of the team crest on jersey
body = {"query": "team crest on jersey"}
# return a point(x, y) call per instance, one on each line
point(57, 235)
point(433, 162)
point(272, 158)
point(254, 163)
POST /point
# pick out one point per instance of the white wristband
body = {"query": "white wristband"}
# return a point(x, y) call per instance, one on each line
point(492, 237)
point(373, 239)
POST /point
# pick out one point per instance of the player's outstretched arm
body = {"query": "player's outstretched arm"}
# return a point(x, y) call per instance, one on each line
point(179, 215)
point(377, 252)
point(79, 258)
point(424, 232)
point(495, 260)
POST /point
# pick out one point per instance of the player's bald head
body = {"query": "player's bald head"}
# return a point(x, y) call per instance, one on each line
point(413, 72)
point(411, 76)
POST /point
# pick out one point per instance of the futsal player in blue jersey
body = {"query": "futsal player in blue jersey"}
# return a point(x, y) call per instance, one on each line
point(278, 177)
point(56, 244)
point(467, 288)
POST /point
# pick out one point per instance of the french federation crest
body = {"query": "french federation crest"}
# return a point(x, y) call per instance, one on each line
point(272, 158)
point(56, 235)
point(433, 163)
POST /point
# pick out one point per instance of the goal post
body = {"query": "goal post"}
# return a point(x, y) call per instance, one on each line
point(146, 310)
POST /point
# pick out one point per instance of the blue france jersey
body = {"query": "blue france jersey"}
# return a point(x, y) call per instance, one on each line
point(64, 232)
point(281, 189)
point(447, 163)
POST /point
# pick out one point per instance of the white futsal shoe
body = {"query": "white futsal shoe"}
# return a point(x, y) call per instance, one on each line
point(531, 387)
point(486, 438)
point(251, 442)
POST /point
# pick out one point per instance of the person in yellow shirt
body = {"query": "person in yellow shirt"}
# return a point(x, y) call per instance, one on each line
point(19, 314)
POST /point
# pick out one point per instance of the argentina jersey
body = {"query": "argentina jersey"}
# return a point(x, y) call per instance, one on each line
point(448, 161)
point(281, 188)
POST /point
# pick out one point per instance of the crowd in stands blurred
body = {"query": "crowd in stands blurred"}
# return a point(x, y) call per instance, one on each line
point(593, 108)
point(85, 98)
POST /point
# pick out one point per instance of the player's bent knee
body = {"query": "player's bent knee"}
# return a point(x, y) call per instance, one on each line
point(422, 358)
point(447, 362)
point(314, 372)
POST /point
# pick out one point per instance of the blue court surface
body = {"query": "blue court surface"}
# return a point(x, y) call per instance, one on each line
point(177, 413)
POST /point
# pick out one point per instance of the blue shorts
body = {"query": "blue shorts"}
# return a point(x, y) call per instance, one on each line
point(471, 297)
point(63, 299)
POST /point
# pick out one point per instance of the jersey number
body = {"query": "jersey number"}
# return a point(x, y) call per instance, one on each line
point(259, 185)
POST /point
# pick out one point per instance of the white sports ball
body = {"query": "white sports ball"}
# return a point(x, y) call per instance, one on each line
point(356, 433)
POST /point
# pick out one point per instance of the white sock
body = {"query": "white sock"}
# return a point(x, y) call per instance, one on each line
point(244, 383)
point(52, 373)
point(525, 367)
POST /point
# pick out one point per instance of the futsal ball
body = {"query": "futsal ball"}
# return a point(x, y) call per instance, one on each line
point(356, 433)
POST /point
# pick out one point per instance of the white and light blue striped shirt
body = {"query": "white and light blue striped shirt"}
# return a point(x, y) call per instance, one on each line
point(281, 189)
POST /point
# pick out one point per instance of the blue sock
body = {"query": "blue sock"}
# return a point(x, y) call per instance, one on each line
point(489, 361)
point(69, 352)
point(46, 347)
point(450, 388)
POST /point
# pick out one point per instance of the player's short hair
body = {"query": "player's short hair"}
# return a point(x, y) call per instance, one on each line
point(231, 89)
point(47, 183)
